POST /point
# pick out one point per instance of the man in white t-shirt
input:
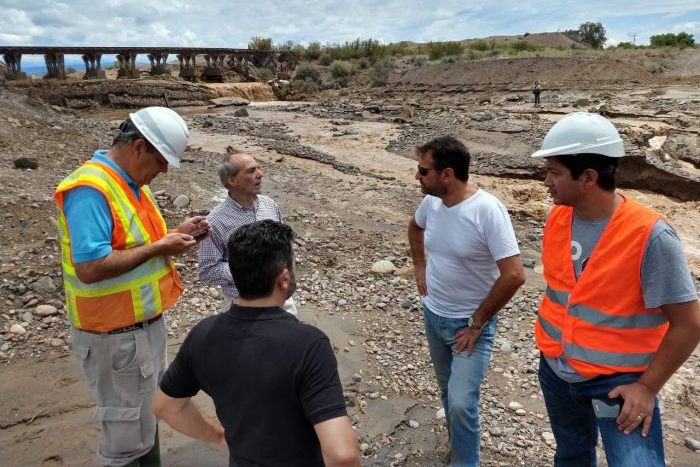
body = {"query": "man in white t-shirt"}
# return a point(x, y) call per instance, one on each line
point(473, 270)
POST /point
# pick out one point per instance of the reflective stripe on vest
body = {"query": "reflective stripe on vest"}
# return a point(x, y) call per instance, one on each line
point(599, 322)
point(141, 293)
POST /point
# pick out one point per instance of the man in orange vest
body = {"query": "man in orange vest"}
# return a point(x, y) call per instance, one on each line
point(620, 312)
point(119, 280)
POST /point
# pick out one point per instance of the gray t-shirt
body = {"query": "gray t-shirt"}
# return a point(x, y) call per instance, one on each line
point(665, 275)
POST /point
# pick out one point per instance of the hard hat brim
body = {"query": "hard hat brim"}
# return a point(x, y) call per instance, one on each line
point(609, 149)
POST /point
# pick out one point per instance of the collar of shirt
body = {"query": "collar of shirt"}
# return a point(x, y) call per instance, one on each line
point(257, 313)
point(101, 156)
point(236, 205)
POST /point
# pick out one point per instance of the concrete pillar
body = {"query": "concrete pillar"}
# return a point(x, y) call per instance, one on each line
point(214, 71)
point(13, 60)
point(188, 66)
point(127, 65)
point(93, 68)
point(55, 67)
point(158, 61)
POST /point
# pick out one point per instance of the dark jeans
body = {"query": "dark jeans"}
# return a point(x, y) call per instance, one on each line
point(576, 427)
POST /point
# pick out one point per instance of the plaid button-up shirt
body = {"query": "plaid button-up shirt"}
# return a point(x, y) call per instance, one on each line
point(225, 219)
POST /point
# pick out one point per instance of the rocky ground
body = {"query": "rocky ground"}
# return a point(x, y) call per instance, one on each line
point(343, 174)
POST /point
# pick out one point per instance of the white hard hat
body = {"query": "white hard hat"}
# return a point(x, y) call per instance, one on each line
point(579, 133)
point(165, 130)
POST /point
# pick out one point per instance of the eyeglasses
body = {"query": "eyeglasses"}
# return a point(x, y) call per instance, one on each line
point(423, 171)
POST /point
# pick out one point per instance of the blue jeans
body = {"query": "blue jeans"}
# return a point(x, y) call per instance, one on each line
point(576, 427)
point(459, 377)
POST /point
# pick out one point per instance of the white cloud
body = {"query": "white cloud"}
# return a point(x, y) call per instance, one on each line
point(222, 23)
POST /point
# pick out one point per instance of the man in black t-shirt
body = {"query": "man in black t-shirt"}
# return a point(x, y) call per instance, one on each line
point(274, 381)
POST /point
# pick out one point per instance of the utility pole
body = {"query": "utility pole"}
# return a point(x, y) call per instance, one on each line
point(634, 37)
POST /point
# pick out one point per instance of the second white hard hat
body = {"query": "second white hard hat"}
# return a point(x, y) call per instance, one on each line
point(165, 130)
point(582, 133)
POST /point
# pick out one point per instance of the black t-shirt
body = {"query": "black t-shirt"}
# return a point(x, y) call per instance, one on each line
point(271, 377)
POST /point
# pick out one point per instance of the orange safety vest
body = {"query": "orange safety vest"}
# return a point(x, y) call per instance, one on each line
point(599, 322)
point(137, 295)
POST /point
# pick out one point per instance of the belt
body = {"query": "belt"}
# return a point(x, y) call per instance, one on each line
point(133, 327)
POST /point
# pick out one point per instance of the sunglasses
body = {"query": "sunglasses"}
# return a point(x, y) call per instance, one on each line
point(423, 171)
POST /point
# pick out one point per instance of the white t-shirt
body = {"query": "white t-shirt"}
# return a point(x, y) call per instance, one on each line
point(463, 243)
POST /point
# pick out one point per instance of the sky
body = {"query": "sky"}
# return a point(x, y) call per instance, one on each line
point(231, 23)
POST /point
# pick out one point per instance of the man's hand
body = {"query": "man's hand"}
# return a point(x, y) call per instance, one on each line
point(467, 337)
point(174, 244)
point(637, 408)
point(194, 224)
point(419, 271)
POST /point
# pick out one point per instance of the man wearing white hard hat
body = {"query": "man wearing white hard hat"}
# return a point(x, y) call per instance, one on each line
point(620, 312)
point(119, 278)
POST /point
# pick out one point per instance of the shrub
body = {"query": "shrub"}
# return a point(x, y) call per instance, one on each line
point(522, 46)
point(307, 72)
point(437, 50)
point(70, 69)
point(325, 59)
point(342, 69)
point(480, 45)
point(682, 39)
point(313, 51)
point(363, 63)
point(260, 43)
point(379, 75)
point(625, 45)
point(265, 74)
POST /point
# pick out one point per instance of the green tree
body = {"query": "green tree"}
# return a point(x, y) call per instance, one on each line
point(260, 43)
point(682, 39)
point(592, 34)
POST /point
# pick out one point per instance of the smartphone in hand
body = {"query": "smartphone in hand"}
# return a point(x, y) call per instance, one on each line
point(199, 234)
point(607, 408)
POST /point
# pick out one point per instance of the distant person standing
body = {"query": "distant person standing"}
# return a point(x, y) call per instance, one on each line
point(536, 90)
point(472, 270)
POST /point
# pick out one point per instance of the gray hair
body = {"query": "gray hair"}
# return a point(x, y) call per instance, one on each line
point(128, 133)
point(226, 170)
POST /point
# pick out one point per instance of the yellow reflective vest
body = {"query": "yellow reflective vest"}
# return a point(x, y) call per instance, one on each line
point(137, 295)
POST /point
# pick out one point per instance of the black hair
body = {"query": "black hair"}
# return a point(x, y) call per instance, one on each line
point(128, 133)
point(448, 152)
point(604, 166)
point(257, 253)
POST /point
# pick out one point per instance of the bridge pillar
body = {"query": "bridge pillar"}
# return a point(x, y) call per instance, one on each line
point(127, 66)
point(54, 66)
point(214, 70)
point(13, 60)
point(188, 66)
point(93, 68)
point(158, 60)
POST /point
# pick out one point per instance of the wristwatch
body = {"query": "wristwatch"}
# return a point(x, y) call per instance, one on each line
point(471, 322)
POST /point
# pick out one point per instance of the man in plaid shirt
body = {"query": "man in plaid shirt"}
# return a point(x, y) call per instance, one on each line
point(241, 176)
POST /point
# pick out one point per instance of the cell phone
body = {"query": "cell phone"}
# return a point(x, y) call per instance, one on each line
point(607, 408)
point(199, 233)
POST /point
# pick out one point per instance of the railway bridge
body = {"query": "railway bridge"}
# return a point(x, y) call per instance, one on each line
point(215, 60)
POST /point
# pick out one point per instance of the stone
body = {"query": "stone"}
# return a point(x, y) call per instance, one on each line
point(521, 412)
point(495, 431)
point(242, 112)
point(25, 163)
point(226, 101)
point(413, 424)
point(181, 201)
point(56, 342)
point(27, 316)
point(548, 437)
point(383, 267)
point(18, 329)
point(440, 414)
point(692, 444)
point(357, 377)
point(514, 406)
point(364, 447)
point(46, 310)
point(44, 284)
